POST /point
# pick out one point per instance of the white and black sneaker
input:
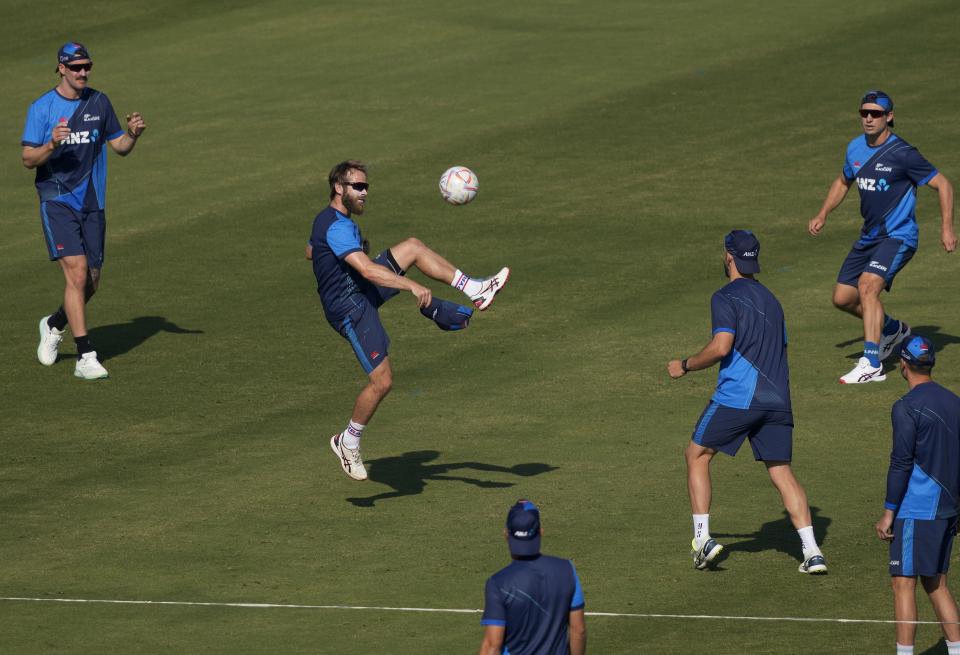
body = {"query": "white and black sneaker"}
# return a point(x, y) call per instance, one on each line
point(864, 372)
point(814, 565)
point(350, 460)
point(889, 343)
point(89, 367)
point(705, 554)
point(50, 339)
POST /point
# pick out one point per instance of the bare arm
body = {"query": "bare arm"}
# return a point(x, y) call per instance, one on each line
point(713, 352)
point(308, 253)
point(124, 143)
point(384, 277)
point(945, 190)
point(492, 640)
point(34, 156)
point(578, 633)
point(836, 194)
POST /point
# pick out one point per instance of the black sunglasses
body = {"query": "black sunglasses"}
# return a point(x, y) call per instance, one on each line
point(873, 113)
point(356, 186)
point(76, 68)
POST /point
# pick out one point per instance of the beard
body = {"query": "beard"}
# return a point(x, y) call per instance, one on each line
point(353, 204)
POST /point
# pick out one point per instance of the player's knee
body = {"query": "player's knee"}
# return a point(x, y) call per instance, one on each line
point(414, 244)
point(382, 382)
point(845, 299)
point(870, 286)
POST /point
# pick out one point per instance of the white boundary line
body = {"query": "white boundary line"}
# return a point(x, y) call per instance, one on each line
point(440, 610)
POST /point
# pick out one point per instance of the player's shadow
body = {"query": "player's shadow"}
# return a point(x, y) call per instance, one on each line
point(409, 473)
point(119, 338)
point(940, 648)
point(940, 340)
point(777, 535)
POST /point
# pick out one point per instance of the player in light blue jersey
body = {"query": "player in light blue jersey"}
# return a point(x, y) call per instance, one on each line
point(887, 171)
point(752, 399)
point(65, 140)
point(923, 495)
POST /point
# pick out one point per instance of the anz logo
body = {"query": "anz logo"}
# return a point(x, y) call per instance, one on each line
point(869, 184)
point(84, 136)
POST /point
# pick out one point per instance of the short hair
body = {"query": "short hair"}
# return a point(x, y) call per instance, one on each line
point(338, 174)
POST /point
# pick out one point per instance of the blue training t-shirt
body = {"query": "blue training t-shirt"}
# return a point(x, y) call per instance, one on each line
point(923, 481)
point(887, 177)
point(533, 599)
point(340, 286)
point(754, 374)
point(76, 172)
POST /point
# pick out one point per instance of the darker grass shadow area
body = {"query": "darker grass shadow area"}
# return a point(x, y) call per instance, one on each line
point(940, 340)
point(940, 648)
point(409, 473)
point(777, 535)
point(120, 338)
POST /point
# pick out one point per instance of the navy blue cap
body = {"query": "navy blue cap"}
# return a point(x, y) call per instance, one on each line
point(523, 529)
point(745, 248)
point(918, 351)
point(72, 51)
point(877, 97)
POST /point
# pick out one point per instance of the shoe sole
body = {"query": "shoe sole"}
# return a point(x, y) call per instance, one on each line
point(709, 557)
point(485, 307)
point(345, 467)
point(80, 375)
point(875, 378)
point(819, 569)
point(43, 334)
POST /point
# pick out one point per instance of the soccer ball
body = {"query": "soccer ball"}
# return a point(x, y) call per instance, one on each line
point(459, 185)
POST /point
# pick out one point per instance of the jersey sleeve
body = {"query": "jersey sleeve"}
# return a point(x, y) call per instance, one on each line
point(918, 169)
point(723, 315)
point(343, 238)
point(577, 602)
point(35, 131)
point(901, 457)
point(111, 125)
point(494, 612)
point(848, 173)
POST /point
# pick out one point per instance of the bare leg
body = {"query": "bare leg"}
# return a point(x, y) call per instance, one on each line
point(847, 298)
point(698, 477)
point(944, 605)
point(378, 386)
point(76, 276)
point(791, 492)
point(872, 309)
point(905, 608)
point(413, 252)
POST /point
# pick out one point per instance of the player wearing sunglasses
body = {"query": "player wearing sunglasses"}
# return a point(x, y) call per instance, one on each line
point(65, 138)
point(887, 171)
point(352, 287)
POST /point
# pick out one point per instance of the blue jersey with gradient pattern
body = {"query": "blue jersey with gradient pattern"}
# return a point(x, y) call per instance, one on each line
point(340, 286)
point(754, 374)
point(887, 177)
point(76, 172)
point(923, 481)
point(532, 599)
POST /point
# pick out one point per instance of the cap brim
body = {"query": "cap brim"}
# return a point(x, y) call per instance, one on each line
point(747, 266)
point(524, 547)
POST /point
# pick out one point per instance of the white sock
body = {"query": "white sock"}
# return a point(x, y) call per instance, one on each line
point(351, 436)
point(953, 647)
point(904, 650)
point(810, 546)
point(701, 528)
point(465, 283)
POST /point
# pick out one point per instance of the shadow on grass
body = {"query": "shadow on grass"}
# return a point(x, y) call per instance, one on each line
point(940, 648)
point(939, 339)
point(777, 535)
point(409, 473)
point(119, 338)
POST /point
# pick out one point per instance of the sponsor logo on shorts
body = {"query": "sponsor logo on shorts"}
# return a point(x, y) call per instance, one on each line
point(60, 246)
point(374, 354)
point(894, 562)
point(877, 265)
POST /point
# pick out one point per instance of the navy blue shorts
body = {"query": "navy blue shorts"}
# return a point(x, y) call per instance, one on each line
point(885, 258)
point(379, 295)
point(921, 547)
point(362, 328)
point(71, 232)
point(724, 428)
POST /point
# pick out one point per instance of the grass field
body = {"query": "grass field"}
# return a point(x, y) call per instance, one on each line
point(616, 142)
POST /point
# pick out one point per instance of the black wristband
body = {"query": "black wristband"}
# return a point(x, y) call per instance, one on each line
point(683, 365)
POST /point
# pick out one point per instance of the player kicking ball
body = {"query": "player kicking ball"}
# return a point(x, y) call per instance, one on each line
point(352, 288)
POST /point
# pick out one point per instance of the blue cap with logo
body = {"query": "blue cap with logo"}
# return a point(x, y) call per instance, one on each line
point(877, 97)
point(745, 248)
point(72, 51)
point(523, 529)
point(918, 351)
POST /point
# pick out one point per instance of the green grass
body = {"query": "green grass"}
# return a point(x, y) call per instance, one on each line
point(616, 142)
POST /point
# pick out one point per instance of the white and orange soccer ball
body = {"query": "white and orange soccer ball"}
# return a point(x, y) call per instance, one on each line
point(459, 185)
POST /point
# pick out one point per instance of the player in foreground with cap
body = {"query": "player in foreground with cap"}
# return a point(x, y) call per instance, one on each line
point(352, 287)
point(752, 399)
point(923, 491)
point(65, 139)
point(534, 606)
point(888, 171)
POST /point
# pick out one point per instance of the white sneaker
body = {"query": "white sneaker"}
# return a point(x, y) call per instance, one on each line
point(888, 344)
point(705, 554)
point(491, 287)
point(863, 372)
point(814, 565)
point(350, 460)
point(50, 339)
point(89, 368)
